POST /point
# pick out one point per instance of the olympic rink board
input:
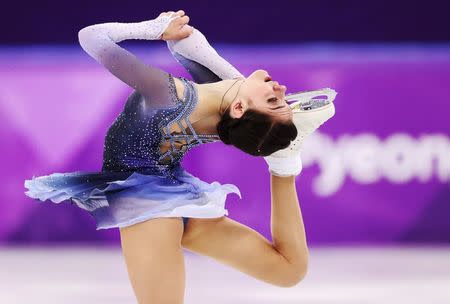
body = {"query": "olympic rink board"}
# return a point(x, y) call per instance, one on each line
point(349, 275)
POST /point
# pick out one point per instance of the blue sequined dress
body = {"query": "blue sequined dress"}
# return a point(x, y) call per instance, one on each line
point(141, 176)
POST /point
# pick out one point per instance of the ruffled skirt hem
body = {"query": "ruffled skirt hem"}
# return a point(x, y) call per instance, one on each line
point(120, 199)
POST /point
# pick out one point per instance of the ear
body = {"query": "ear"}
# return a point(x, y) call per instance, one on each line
point(237, 108)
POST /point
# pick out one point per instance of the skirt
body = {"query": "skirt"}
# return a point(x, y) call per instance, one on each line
point(118, 199)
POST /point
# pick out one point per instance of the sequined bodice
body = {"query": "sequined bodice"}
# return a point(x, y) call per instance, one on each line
point(140, 138)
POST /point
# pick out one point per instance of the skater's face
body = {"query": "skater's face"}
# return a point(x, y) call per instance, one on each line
point(261, 93)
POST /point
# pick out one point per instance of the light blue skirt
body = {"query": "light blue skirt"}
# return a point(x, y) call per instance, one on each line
point(120, 199)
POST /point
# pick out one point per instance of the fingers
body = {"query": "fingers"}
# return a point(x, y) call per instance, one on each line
point(183, 20)
point(179, 13)
point(178, 27)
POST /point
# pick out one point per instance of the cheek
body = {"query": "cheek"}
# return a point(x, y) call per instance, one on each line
point(255, 92)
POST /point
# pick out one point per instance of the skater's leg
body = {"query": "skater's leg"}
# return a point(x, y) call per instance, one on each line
point(154, 260)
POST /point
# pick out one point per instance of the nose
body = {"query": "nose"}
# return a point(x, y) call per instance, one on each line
point(278, 87)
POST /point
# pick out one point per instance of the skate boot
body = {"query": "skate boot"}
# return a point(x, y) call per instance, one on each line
point(310, 110)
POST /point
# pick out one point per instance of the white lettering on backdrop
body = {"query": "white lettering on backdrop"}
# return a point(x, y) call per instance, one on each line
point(366, 159)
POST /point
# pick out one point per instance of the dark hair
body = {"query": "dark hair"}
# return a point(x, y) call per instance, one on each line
point(256, 130)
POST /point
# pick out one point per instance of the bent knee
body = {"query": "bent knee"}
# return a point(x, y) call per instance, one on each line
point(292, 279)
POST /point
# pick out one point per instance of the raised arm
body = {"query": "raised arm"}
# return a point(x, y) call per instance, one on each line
point(201, 60)
point(100, 42)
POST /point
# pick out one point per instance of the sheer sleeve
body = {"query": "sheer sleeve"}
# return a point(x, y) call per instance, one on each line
point(100, 42)
point(201, 60)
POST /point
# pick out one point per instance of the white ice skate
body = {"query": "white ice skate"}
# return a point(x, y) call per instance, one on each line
point(310, 110)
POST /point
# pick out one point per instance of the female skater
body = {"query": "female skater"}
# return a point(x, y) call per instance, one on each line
point(143, 190)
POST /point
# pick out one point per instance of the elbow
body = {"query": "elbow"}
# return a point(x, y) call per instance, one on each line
point(82, 33)
point(92, 41)
point(90, 37)
point(83, 36)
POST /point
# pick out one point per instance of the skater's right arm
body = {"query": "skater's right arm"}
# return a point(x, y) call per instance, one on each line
point(100, 41)
point(201, 60)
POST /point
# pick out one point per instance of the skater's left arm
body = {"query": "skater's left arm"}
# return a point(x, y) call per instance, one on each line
point(100, 41)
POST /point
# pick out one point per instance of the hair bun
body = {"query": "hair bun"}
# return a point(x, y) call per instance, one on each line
point(224, 135)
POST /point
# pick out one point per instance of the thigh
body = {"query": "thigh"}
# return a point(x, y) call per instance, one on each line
point(154, 260)
point(239, 246)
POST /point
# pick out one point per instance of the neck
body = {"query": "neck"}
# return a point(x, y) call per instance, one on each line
point(215, 97)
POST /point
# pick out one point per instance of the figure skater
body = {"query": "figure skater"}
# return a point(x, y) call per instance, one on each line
point(143, 190)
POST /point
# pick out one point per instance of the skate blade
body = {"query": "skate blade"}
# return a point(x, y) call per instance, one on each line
point(308, 100)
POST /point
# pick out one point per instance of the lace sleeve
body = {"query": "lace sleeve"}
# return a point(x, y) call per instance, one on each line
point(100, 42)
point(201, 60)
